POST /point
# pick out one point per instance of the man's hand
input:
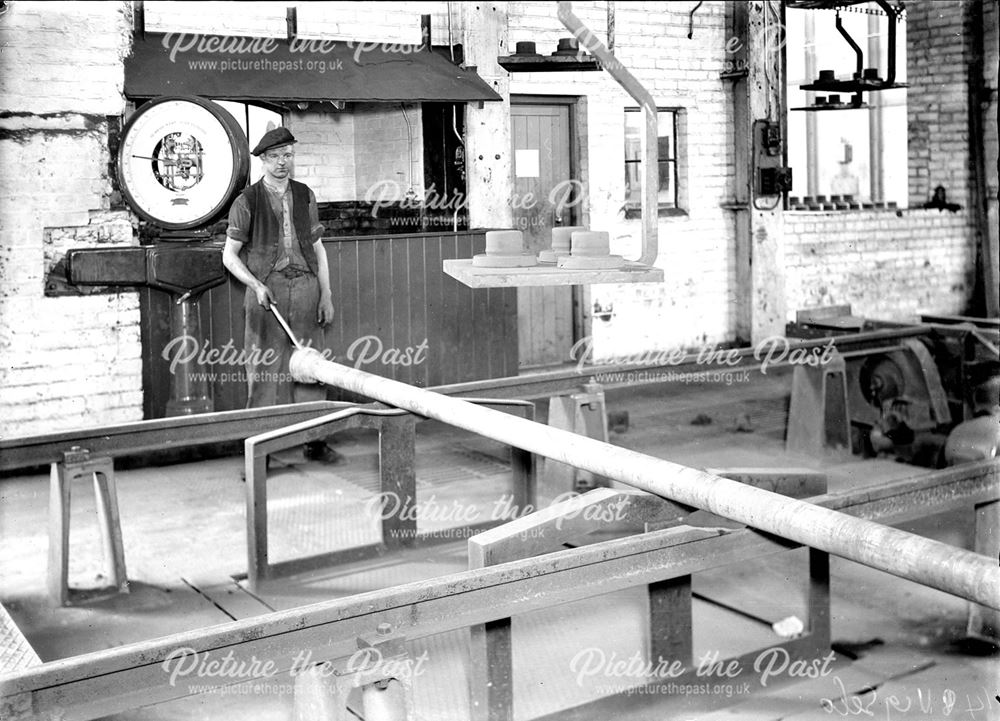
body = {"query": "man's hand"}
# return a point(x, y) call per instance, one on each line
point(324, 314)
point(264, 295)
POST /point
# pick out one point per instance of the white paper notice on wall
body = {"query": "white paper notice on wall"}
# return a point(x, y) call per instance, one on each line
point(526, 163)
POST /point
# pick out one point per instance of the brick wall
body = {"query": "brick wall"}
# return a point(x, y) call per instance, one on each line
point(67, 362)
point(384, 22)
point(884, 265)
point(388, 151)
point(938, 112)
point(325, 159)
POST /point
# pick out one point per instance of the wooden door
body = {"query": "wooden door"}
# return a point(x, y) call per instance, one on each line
point(544, 196)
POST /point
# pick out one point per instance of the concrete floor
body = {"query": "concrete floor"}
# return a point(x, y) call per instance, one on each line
point(183, 532)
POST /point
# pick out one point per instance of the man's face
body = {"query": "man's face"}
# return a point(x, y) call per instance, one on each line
point(278, 162)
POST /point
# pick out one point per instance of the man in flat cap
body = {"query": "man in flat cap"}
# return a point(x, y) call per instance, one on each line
point(273, 247)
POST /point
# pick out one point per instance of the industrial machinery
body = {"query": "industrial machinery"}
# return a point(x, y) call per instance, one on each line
point(932, 399)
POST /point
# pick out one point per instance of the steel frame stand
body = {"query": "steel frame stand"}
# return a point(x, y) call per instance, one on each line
point(984, 622)
point(323, 692)
point(78, 464)
point(397, 471)
point(818, 417)
point(583, 412)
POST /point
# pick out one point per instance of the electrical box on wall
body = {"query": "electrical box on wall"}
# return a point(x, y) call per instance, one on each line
point(771, 177)
point(774, 181)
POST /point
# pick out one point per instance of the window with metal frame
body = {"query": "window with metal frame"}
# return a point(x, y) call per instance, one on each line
point(845, 157)
point(255, 121)
point(667, 160)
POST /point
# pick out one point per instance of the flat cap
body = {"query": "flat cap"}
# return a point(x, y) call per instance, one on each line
point(273, 139)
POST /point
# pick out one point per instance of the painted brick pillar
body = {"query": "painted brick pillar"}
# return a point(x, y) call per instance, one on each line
point(487, 129)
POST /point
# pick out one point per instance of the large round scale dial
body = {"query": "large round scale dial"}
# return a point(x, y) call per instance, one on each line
point(181, 161)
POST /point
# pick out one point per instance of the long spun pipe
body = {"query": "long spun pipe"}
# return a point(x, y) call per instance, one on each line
point(928, 562)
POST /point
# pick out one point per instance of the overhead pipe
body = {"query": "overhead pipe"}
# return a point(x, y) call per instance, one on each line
point(892, 14)
point(875, 117)
point(650, 170)
point(953, 570)
point(859, 62)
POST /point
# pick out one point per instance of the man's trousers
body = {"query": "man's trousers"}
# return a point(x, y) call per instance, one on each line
point(267, 346)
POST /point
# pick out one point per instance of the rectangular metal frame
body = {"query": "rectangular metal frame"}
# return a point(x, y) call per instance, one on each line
point(158, 435)
point(397, 430)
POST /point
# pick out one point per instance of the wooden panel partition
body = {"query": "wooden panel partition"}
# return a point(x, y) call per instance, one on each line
point(389, 294)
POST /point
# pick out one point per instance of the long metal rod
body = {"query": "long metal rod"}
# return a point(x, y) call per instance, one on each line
point(288, 331)
point(931, 563)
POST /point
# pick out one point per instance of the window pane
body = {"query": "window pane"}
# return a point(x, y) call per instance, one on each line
point(666, 197)
point(633, 136)
point(846, 152)
point(665, 133)
point(635, 126)
point(261, 120)
point(633, 183)
point(665, 147)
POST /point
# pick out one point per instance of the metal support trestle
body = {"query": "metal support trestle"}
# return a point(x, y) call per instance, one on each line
point(78, 464)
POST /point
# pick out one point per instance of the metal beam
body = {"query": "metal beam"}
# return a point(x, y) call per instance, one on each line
point(159, 435)
point(548, 383)
point(931, 563)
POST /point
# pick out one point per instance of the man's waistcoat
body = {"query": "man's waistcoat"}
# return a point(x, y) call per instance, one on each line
point(265, 228)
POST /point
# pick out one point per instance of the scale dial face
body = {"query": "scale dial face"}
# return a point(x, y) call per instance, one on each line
point(181, 162)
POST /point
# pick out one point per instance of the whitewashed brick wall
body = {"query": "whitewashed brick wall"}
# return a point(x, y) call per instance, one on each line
point(389, 152)
point(66, 362)
point(389, 22)
point(884, 265)
point(325, 157)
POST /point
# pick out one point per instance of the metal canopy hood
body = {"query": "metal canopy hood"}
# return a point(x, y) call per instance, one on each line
point(250, 68)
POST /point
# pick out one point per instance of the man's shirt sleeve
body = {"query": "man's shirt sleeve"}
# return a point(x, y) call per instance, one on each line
point(239, 221)
point(316, 228)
